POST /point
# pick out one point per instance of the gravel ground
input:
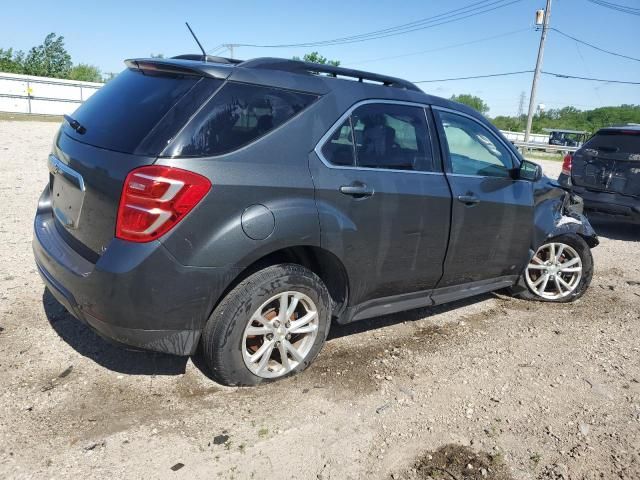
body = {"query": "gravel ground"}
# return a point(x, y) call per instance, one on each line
point(491, 387)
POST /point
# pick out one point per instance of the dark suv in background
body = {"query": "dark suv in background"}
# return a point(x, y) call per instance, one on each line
point(605, 172)
point(241, 206)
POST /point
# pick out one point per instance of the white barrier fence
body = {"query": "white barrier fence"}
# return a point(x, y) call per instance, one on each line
point(519, 137)
point(42, 95)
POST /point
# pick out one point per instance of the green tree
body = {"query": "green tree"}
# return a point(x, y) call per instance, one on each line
point(85, 72)
point(50, 59)
point(571, 118)
point(11, 62)
point(471, 101)
point(315, 57)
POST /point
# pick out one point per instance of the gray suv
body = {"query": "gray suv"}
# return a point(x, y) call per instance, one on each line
point(238, 208)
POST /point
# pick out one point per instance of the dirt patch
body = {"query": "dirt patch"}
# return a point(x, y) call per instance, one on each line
point(456, 462)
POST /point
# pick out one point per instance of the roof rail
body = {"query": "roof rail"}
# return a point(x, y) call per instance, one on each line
point(208, 58)
point(309, 68)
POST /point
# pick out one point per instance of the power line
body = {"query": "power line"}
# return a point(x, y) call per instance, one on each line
point(563, 75)
point(617, 7)
point(504, 74)
point(474, 76)
point(471, 42)
point(594, 46)
point(458, 14)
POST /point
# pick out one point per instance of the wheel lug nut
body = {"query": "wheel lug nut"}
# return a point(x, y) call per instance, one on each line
point(269, 336)
point(288, 337)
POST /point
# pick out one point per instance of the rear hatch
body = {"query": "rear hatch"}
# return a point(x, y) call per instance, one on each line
point(609, 162)
point(125, 125)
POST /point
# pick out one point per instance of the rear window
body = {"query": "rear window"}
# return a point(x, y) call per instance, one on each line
point(236, 116)
point(615, 142)
point(121, 114)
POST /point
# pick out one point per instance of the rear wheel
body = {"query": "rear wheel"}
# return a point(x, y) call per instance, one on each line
point(271, 325)
point(560, 271)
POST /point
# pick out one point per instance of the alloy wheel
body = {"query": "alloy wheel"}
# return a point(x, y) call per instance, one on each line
point(280, 334)
point(555, 271)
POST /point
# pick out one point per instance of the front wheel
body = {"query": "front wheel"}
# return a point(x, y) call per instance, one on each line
point(271, 325)
point(559, 271)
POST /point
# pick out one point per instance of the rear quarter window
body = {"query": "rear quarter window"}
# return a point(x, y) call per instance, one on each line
point(236, 116)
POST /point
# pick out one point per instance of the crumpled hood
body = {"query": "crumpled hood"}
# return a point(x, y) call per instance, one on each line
point(558, 211)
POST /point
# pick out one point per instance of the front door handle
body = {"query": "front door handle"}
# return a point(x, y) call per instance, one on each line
point(468, 200)
point(358, 190)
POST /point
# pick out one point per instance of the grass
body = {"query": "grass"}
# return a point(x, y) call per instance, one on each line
point(29, 117)
point(556, 157)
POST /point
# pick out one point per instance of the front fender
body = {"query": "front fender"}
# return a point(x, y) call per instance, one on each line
point(558, 212)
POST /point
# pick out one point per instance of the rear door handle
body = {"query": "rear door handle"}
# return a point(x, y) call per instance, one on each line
point(468, 200)
point(358, 190)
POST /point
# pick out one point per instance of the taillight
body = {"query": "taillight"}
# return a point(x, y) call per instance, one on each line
point(566, 164)
point(154, 199)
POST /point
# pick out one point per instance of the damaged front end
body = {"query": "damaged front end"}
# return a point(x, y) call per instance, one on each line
point(558, 212)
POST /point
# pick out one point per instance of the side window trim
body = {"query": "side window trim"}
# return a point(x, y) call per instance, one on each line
point(444, 147)
point(437, 163)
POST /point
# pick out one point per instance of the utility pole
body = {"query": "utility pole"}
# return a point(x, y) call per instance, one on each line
point(230, 47)
point(521, 106)
point(536, 75)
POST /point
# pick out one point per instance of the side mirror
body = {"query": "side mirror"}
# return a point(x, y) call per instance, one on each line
point(530, 171)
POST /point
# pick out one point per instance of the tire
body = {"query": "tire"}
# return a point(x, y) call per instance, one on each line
point(524, 289)
point(228, 345)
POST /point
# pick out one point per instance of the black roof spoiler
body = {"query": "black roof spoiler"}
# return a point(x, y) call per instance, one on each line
point(221, 67)
point(208, 58)
point(183, 66)
point(297, 66)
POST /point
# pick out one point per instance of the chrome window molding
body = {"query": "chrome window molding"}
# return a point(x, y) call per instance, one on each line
point(338, 123)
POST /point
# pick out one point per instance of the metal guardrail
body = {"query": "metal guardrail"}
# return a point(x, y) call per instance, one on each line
point(31, 97)
point(543, 146)
point(54, 81)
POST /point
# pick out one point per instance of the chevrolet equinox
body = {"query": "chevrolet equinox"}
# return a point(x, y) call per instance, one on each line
point(238, 208)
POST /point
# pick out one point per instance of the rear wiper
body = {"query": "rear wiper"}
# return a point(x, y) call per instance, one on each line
point(75, 124)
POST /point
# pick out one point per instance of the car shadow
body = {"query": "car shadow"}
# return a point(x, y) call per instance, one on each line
point(615, 231)
point(133, 362)
point(338, 331)
point(113, 357)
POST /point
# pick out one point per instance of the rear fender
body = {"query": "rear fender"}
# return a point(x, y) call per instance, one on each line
point(247, 234)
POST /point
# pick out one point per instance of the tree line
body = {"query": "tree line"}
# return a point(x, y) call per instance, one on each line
point(568, 118)
point(571, 118)
point(49, 59)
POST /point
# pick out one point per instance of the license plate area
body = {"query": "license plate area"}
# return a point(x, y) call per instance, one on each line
point(67, 193)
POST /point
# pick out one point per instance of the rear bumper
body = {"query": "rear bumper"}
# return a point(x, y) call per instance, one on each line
point(136, 294)
point(610, 205)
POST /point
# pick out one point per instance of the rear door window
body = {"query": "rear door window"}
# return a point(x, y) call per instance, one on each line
point(392, 136)
point(123, 112)
point(236, 116)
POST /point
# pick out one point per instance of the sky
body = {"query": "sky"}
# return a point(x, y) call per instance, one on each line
point(502, 40)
